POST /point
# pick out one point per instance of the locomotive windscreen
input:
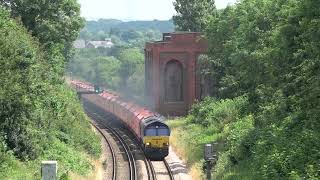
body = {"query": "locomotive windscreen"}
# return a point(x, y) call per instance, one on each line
point(157, 129)
point(154, 131)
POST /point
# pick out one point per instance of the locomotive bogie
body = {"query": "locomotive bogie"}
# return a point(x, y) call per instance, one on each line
point(156, 153)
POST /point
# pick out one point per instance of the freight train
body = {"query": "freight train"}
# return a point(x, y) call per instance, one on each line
point(148, 127)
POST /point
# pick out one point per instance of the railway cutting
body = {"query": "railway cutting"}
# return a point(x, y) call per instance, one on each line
point(139, 137)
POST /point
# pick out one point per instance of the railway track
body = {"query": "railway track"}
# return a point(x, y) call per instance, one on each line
point(162, 170)
point(168, 169)
point(113, 156)
point(132, 170)
point(156, 170)
point(131, 162)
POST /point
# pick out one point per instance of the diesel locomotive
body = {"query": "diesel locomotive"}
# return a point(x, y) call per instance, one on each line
point(148, 127)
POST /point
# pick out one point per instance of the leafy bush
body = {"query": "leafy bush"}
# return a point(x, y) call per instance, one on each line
point(238, 139)
point(217, 113)
point(69, 158)
point(41, 117)
point(215, 121)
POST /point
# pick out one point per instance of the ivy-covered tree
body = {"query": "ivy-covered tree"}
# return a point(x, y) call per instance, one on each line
point(193, 15)
point(56, 24)
point(130, 60)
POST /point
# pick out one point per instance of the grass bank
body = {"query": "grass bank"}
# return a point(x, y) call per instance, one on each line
point(246, 148)
point(211, 121)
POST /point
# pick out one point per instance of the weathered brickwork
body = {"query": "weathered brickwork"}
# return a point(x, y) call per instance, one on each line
point(170, 67)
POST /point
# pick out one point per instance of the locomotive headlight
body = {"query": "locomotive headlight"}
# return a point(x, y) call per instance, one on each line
point(147, 144)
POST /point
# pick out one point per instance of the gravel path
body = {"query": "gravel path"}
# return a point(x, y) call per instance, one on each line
point(178, 167)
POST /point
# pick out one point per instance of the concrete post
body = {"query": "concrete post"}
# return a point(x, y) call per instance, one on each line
point(208, 169)
point(208, 156)
point(49, 170)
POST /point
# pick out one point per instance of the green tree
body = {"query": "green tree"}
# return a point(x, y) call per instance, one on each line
point(101, 36)
point(20, 58)
point(56, 24)
point(40, 116)
point(106, 71)
point(269, 51)
point(130, 34)
point(136, 83)
point(130, 59)
point(114, 31)
point(85, 35)
point(193, 15)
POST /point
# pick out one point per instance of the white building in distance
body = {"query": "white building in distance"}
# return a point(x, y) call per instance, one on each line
point(79, 44)
point(96, 44)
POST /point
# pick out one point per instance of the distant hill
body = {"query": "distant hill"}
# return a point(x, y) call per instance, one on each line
point(106, 24)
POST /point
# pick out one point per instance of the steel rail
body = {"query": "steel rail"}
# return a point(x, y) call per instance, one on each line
point(153, 172)
point(168, 169)
point(131, 160)
point(113, 156)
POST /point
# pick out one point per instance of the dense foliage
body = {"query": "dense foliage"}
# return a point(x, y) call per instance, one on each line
point(192, 15)
point(40, 117)
point(120, 69)
point(224, 122)
point(55, 24)
point(269, 52)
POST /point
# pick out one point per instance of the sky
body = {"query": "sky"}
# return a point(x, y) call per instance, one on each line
point(133, 9)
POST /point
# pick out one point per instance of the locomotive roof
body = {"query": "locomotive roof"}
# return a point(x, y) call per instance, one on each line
point(151, 119)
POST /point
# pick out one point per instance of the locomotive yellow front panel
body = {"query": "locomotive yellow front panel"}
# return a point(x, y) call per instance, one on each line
point(156, 141)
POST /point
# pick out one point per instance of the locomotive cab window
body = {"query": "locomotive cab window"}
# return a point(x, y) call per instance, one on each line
point(157, 130)
point(150, 132)
point(163, 132)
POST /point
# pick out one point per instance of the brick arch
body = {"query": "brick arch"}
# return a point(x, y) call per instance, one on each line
point(173, 81)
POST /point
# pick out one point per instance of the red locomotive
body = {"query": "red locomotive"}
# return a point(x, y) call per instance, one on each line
point(148, 127)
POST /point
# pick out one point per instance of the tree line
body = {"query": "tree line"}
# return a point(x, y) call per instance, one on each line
point(266, 52)
point(118, 69)
point(133, 33)
point(40, 116)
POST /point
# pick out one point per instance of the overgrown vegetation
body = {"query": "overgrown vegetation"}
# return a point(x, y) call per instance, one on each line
point(210, 121)
point(40, 116)
point(268, 52)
